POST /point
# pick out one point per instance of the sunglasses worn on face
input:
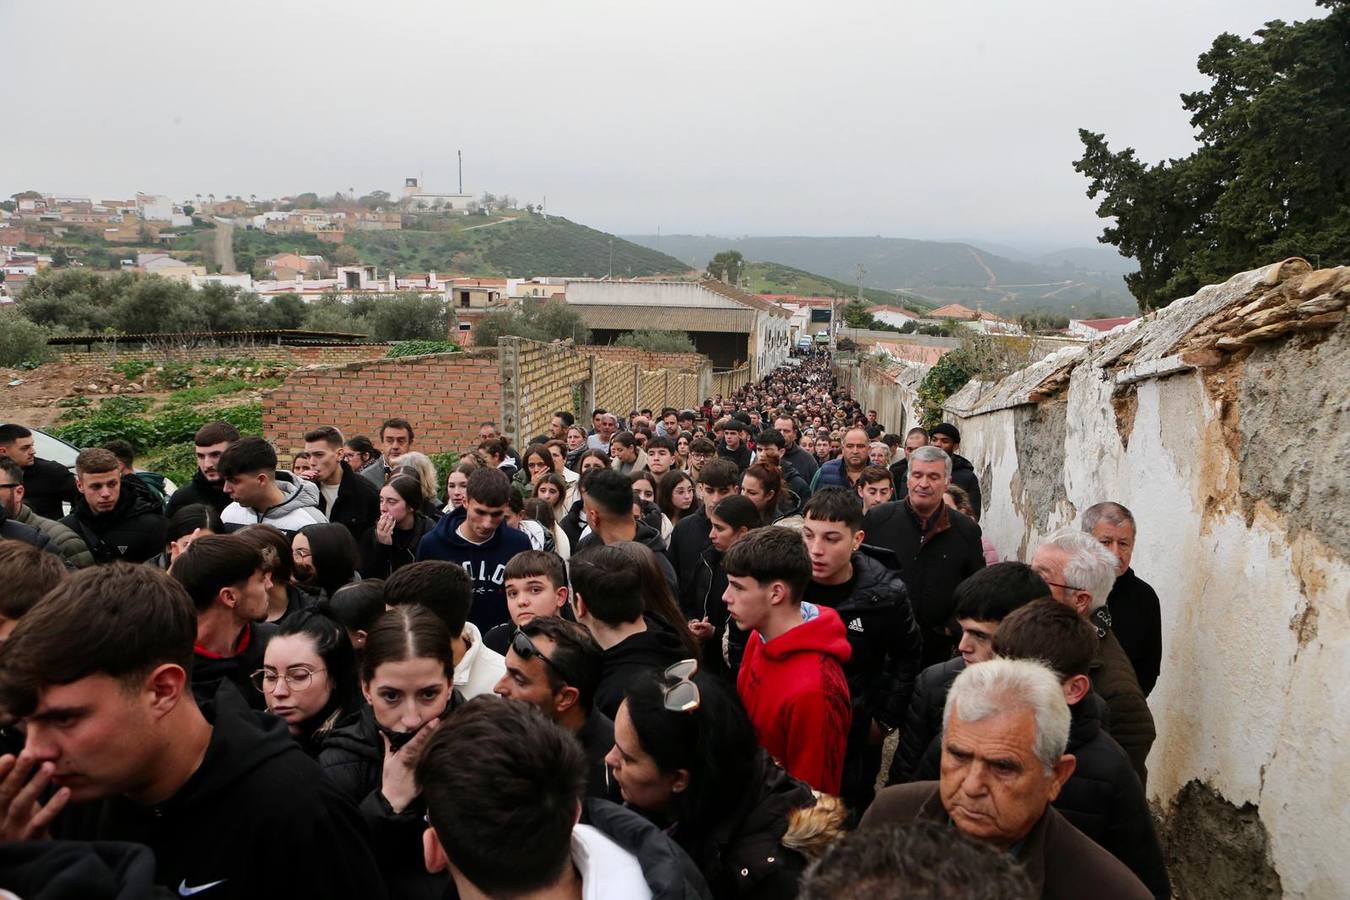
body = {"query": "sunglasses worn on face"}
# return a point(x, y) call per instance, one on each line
point(680, 693)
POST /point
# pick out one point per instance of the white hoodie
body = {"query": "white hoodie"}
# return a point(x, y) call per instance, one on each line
point(480, 668)
point(299, 507)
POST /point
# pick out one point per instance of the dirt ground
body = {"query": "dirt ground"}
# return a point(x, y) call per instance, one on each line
point(32, 400)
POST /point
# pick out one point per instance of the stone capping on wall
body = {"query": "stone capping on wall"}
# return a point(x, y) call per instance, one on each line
point(1197, 332)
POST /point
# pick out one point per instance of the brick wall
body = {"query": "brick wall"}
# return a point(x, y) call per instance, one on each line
point(270, 353)
point(444, 396)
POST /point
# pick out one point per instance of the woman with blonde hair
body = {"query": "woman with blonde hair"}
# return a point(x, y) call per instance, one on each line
point(420, 466)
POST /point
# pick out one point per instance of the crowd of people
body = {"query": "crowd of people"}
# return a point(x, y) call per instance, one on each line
point(659, 656)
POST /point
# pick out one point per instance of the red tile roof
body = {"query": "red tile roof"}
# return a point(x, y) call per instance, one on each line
point(1106, 324)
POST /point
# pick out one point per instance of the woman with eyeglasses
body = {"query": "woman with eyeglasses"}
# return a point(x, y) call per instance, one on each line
point(676, 495)
point(685, 756)
point(391, 542)
point(309, 679)
point(407, 677)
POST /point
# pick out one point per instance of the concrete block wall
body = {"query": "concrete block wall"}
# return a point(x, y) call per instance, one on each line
point(443, 396)
point(537, 381)
point(269, 353)
point(688, 362)
point(726, 383)
point(615, 385)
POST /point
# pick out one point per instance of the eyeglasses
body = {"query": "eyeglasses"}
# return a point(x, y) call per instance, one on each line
point(297, 678)
point(301, 553)
point(681, 694)
point(525, 649)
point(1067, 587)
point(9, 486)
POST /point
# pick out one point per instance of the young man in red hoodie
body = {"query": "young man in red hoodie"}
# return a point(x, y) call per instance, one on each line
point(791, 680)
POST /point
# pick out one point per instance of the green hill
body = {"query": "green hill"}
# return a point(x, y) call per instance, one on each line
point(774, 278)
point(939, 272)
point(525, 246)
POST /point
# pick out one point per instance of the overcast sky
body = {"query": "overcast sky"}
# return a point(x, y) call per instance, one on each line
point(934, 119)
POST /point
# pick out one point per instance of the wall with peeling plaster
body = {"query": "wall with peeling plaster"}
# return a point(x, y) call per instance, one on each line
point(1223, 423)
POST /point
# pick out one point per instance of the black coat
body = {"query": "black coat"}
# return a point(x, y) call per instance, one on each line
point(743, 855)
point(668, 870)
point(256, 816)
point(1136, 620)
point(740, 456)
point(46, 485)
point(597, 739)
point(931, 567)
point(199, 490)
point(964, 477)
point(923, 721)
point(357, 505)
point(572, 525)
point(804, 462)
point(687, 543)
point(1103, 798)
point(382, 560)
point(352, 759)
point(652, 650)
point(650, 538)
point(133, 531)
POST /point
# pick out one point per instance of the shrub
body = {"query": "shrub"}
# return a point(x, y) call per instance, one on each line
point(131, 369)
point(22, 341)
point(657, 341)
point(421, 348)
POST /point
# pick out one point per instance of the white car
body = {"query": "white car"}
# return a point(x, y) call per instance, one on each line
point(49, 446)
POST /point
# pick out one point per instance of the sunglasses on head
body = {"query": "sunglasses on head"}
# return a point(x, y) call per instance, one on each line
point(525, 649)
point(680, 693)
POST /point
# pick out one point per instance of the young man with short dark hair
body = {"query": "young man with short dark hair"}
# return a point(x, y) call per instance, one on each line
point(396, 439)
point(770, 448)
point(887, 646)
point(874, 486)
point(608, 501)
point(49, 484)
point(344, 496)
point(27, 574)
point(211, 789)
point(607, 600)
point(445, 589)
point(116, 516)
point(734, 436)
point(554, 665)
point(249, 469)
point(228, 581)
point(982, 602)
point(536, 587)
point(947, 437)
point(207, 485)
point(701, 452)
point(791, 680)
point(475, 537)
point(504, 789)
point(660, 452)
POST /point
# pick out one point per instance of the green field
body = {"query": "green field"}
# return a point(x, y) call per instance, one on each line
point(774, 278)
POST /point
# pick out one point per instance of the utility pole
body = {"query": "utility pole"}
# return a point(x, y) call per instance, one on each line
point(861, 273)
point(460, 153)
point(611, 258)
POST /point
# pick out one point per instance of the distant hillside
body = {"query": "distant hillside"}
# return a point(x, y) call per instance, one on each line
point(526, 246)
point(774, 278)
point(937, 272)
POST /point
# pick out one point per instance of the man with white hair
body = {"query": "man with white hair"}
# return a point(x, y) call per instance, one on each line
point(1080, 573)
point(934, 548)
point(1133, 611)
point(1005, 729)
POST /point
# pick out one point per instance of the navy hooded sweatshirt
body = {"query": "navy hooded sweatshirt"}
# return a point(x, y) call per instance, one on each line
point(485, 563)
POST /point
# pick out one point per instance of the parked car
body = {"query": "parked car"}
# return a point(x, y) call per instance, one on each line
point(49, 446)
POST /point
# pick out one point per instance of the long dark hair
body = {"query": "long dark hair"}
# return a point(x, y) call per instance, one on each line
point(657, 598)
point(407, 632)
point(715, 743)
point(335, 649)
point(334, 552)
point(409, 490)
point(356, 606)
point(738, 512)
point(189, 519)
point(665, 491)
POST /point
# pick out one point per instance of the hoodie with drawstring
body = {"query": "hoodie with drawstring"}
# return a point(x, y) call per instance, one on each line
point(299, 507)
point(485, 563)
point(794, 690)
point(255, 820)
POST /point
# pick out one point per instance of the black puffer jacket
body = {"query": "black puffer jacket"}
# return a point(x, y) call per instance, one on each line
point(650, 538)
point(1103, 798)
point(669, 872)
point(923, 721)
point(632, 658)
point(352, 759)
point(199, 490)
point(133, 531)
point(357, 505)
point(743, 855)
point(573, 525)
point(885, 640)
